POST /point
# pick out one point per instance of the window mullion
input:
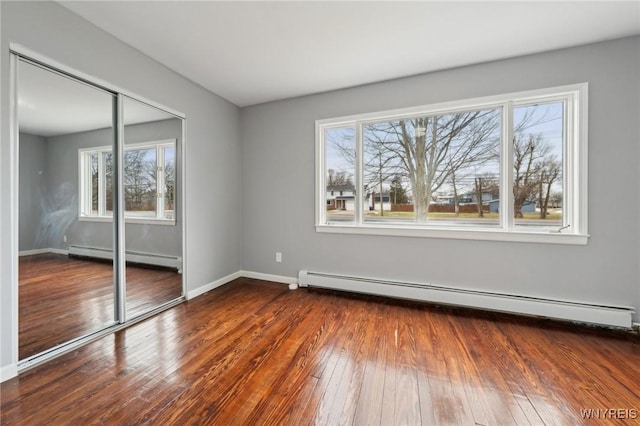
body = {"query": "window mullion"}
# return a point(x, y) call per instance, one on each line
point(506, 164)
point(579, 147)
point(321, 185)
point(569, 155)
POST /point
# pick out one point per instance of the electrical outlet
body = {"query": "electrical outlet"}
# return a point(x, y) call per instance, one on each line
point(64, 238)
point(278, 257)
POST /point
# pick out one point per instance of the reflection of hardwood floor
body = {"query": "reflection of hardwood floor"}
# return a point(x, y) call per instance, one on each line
point(255, 353)
point(61, 298)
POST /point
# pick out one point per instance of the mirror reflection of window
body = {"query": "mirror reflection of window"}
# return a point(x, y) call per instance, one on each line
point(169, 154)
point(149, 181)
point(153, 230)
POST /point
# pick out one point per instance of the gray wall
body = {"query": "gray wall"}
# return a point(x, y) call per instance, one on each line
point(278, 184)
point(213, 226)
point(33, 184)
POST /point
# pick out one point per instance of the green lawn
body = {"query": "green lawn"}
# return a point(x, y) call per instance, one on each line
point(494, 216)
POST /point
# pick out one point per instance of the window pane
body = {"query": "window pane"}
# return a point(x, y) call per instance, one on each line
point(140, 188)
point(93, 167)
point(441, 170)
point(108, 174)
point(384, 173)
point(339, 174)
point(169, 182)
point(538, 165)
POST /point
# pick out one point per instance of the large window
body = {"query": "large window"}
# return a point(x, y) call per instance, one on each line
point(149, 182)
point(509, 167)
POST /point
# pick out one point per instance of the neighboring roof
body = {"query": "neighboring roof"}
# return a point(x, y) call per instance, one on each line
point(385, 196)
point(341, 188)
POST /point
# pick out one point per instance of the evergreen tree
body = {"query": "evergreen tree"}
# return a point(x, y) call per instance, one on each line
point(397, 192)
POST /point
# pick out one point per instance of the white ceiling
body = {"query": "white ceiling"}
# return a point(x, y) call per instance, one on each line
point(255, 52)
point(50, 104)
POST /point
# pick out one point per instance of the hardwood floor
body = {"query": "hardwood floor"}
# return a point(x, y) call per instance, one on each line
point(61, 298)
point(253, 352)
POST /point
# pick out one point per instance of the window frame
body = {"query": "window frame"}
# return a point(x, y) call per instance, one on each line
point(85, 184)
point(575, 193)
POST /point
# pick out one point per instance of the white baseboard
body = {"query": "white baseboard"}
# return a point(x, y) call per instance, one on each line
point(247, 274)
point(614, 316)
point(155, 259)
point(8, 372)
point(269, 277)
point(210, 286)
point(43, 251)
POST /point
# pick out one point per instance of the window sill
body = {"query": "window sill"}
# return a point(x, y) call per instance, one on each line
point(543, 237)
point(142, 221)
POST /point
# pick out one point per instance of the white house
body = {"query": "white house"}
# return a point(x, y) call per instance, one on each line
point(341, 197)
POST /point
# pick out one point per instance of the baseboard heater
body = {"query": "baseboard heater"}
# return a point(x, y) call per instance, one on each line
point(173, 262)
point(614, 316)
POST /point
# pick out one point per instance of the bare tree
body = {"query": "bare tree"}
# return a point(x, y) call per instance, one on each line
point(94, 181)
point(528, 153)
point(478, 183)
point(428, 150)
point(456, 201)
point(536, 169)
point(380, 166)
point(551, 172)
point(331, 177)
point(109, 180)
point(556, 198)
point(170, 185)
point(139, 181)
point(338, 178)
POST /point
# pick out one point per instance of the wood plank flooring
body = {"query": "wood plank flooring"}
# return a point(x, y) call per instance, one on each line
point(253, 353)
point(61, 298)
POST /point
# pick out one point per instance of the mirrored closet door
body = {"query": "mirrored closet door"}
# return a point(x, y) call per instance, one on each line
point(100, 223)
point(62, 296)
point(153, 230)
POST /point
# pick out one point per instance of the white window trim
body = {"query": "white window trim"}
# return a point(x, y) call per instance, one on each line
point(574, 183)
point(85, 185)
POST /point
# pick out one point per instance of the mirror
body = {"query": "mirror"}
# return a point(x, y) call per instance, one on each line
point(63, 292)
point(153, 230)
point(68, 286)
